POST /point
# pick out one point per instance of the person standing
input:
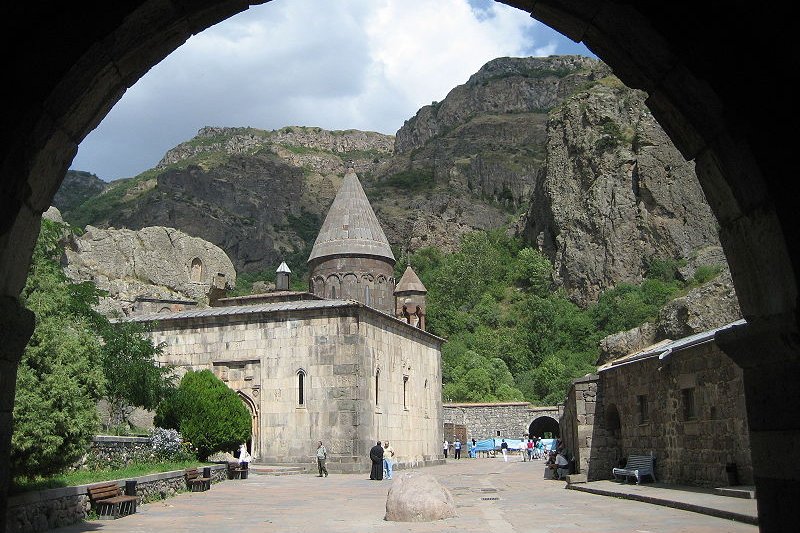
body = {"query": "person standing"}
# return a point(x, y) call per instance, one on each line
point(322, 456)
point(445, 447)
point(388, 460)
point(530, 449)
point(244, 456)
point(504, 449)
point(457, 448)
point(376, 456)
point(472, 451)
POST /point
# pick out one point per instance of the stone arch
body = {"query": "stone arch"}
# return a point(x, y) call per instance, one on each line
point(196, 270)
point(333, 287)
point(318, 286)
point(612, 423)
point(350, 286)
point(683, 63)
point(252, 407)
point(544, 424)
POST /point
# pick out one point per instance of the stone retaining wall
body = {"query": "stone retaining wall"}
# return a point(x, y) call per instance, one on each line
point(37, 511)
point(487, 420)
point(118, 451)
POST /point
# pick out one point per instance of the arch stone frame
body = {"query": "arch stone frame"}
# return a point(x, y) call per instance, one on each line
point(718, 99)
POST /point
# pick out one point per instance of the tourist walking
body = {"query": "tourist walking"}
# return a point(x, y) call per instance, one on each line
point(322, 456)
point(472, 451)
point(530, 449)
point(504, 449)
point(445, 446)
point(376, 456)
point(388, 460)
point(457, 448)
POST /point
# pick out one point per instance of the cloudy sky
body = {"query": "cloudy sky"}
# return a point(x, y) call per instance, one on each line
point(335, 64)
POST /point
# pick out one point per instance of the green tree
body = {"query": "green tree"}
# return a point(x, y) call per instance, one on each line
point(206, 412)
point(134, 377)
point(60, 378)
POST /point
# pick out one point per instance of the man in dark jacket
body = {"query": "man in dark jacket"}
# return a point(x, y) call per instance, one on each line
point(376, 456)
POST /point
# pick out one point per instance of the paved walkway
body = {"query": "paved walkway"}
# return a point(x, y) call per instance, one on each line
point(490, 495)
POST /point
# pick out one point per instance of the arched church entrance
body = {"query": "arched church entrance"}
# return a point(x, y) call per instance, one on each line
point(253, 443)
point(682, 59)
point(544, 427)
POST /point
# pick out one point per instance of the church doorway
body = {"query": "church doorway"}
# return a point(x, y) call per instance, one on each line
point(545, 427)
point(253, 444)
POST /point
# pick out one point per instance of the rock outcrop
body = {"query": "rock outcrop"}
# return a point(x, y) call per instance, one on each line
point(615, 194)
point(154, 262)
point(703, 308)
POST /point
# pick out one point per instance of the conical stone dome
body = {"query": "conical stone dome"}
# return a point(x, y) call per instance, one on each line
point(351, 227)
point(351, 258)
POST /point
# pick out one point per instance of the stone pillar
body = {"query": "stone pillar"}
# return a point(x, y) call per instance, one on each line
point(768, 351)
point(16, 328)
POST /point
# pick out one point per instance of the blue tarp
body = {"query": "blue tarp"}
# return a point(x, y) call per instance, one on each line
point(513, 444)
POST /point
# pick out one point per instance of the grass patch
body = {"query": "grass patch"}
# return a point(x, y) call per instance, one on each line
point(86, 477)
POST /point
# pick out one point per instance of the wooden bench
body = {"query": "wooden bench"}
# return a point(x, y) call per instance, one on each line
point(637, 466)
point(237, 470)
point(195, 480)
point(109, 501)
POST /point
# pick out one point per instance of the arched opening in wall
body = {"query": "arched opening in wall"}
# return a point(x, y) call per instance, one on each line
point(301, 388)
point(196, 270)
point(545, 427)
point(613, 427)
point(253, 445)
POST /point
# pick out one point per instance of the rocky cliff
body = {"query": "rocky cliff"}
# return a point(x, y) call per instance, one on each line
point(615, 193)
point(556, 149)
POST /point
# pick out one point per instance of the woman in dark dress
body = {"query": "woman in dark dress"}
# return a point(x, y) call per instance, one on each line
point(376, 456)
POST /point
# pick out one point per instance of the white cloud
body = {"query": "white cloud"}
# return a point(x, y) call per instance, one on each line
point(365, 64)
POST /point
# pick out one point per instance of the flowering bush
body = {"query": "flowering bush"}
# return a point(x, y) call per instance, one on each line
point(168, 445)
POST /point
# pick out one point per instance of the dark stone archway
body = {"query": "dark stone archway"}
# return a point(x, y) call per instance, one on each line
point(544, 424)
point(718, 97)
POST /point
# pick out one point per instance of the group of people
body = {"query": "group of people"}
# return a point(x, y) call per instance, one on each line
point(457, 448)
point(382, 457)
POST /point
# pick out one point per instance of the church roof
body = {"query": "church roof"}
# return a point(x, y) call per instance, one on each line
point(410, 282)
point(351, 227)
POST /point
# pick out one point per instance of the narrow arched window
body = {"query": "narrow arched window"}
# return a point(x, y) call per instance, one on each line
point(377, 376)
point(301, 378)
point(405, 389)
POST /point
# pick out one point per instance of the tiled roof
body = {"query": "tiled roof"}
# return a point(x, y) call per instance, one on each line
point(410, 282)
point(351, 227)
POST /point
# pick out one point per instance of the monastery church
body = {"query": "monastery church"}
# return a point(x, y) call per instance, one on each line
point(349, 362)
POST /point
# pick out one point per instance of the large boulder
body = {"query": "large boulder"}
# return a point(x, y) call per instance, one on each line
point(154, 262)
point(418, 497)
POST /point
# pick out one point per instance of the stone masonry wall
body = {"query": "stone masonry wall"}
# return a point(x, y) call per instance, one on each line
point(688, 409)
point(337, 351)
point(487, 420)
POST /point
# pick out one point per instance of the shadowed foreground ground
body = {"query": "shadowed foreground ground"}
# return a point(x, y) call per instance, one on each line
point(490, 495)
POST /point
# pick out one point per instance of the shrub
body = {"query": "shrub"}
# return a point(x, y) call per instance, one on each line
point(207, 413)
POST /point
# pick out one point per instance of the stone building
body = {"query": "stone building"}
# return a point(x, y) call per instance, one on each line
point(681, 400)
point(332, 364)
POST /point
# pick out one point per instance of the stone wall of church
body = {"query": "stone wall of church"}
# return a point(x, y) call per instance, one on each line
point(688, 409)
point(311, 376)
